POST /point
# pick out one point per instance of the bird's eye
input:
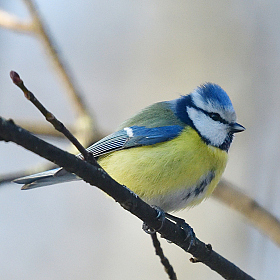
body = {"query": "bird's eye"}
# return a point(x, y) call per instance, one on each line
point(215, 117)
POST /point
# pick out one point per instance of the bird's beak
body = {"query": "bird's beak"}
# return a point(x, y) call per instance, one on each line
point(236, 127)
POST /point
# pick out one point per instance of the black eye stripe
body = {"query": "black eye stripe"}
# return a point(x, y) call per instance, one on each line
point(216, 117)
point(213, 115)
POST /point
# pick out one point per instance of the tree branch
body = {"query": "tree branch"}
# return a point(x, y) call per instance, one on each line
point(13, 23)
point(167, 266)
point(58, 125)
point(41, 128)
point(248, 207)
point(36, 26)
point(96, 176)
point(58, 62)
point(88, 129)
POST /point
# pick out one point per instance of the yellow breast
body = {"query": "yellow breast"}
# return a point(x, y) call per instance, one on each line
point(163, 173)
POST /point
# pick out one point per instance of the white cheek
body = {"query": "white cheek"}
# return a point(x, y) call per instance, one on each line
point(214, 131)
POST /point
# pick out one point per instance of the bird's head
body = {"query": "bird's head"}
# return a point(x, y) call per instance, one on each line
point(209, 111)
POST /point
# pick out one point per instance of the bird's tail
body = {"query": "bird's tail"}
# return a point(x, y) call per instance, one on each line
point(50, 177)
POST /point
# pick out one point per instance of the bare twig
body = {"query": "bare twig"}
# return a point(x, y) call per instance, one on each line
point(58, 125)
point(167, 266)
point(257, 215)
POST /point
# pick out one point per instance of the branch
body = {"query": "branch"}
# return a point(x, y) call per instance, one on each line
point(86, 127)
point(58, 62)
point(128, 200)
point(41, 128)
point(13, 23)
point(167, 266)
point(88, 130)
point(254, 212)
point(58, 125)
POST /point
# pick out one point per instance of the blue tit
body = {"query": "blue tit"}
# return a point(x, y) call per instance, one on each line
point(172, 153)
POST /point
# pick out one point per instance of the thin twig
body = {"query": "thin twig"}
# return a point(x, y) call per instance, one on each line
point(248, 207)
point(165, 262)
point(58, 125)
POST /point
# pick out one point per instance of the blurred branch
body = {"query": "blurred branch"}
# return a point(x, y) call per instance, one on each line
point(86, 127)
point(128, 200)
point(7, 178)
point(41, 128)
point(256, 214)
point(12, 22)
point(45, 129)
point(41, 31)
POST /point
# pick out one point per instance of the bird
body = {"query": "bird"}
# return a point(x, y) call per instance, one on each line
point(172, 154)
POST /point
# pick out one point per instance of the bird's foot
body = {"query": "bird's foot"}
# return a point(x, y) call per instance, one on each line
point(190, 235)
point(160, 216)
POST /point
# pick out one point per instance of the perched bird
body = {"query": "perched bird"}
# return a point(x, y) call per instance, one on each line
point(172, 153)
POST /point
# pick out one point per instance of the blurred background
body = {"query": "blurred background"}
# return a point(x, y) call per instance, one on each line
point(125, 55)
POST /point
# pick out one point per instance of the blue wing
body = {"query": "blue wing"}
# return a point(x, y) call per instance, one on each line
point(129, 137)
point(134, 136)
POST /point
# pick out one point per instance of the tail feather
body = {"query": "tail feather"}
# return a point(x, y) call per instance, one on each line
point(46, 178)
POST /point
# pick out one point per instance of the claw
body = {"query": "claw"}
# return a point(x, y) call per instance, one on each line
point(147, 229)
point(160, 216)
point(190, 235)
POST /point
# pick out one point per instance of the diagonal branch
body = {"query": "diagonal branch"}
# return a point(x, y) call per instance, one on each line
point(128, 200)
point(58, 125)
point(248, 207)
point(167, 266)
point(12, 22)
point(41, 128)
point(57, 60)
point(86, 127)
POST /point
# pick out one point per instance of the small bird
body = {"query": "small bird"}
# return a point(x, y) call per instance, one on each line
point(172, 154)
